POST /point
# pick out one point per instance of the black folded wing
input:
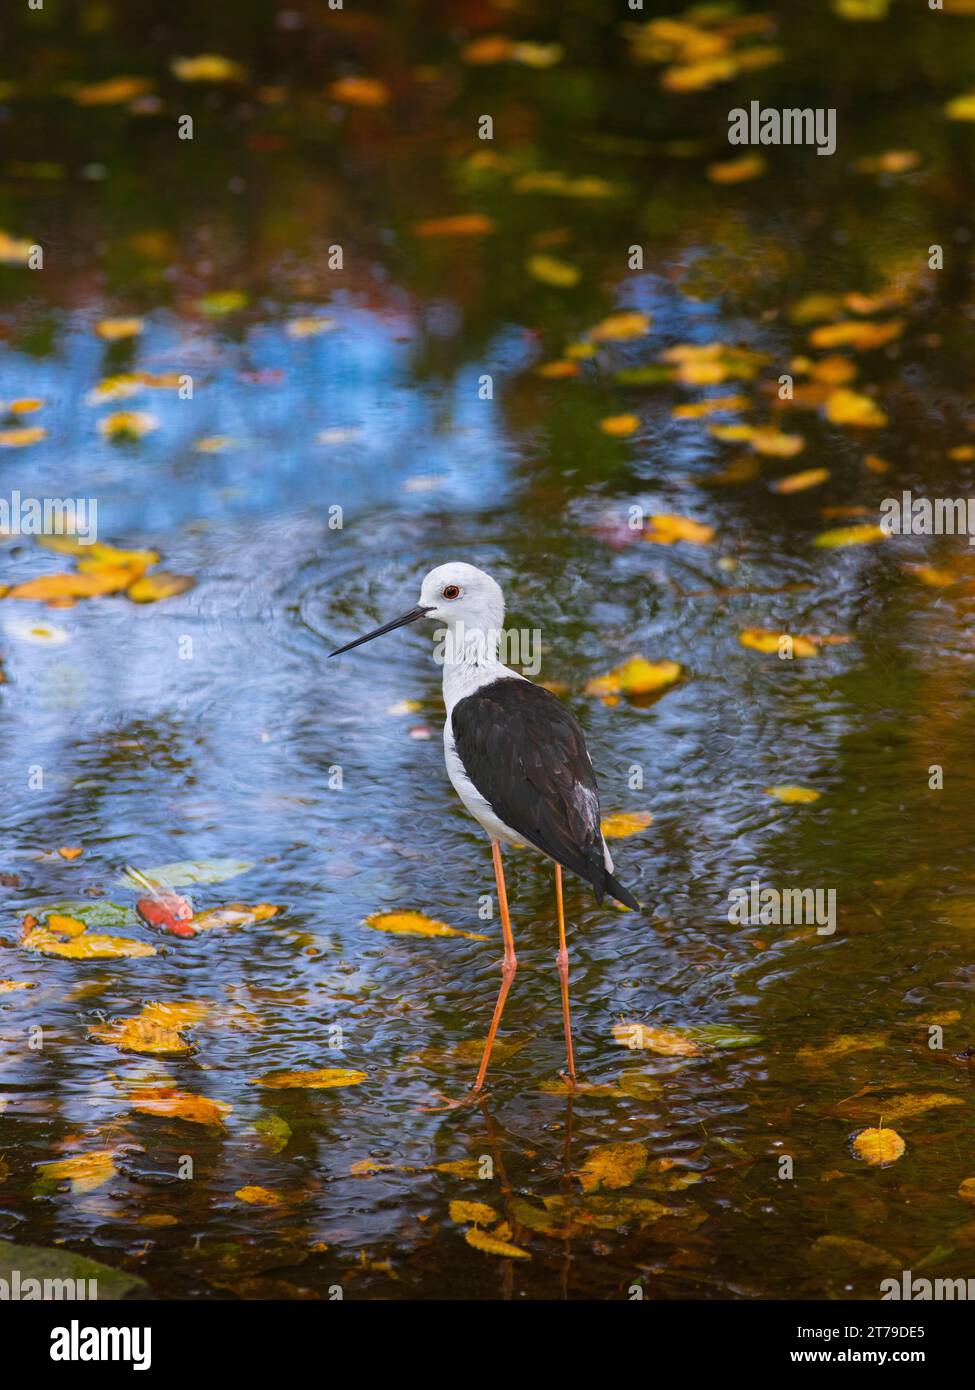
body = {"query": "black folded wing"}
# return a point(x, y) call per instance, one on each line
point(526, 755)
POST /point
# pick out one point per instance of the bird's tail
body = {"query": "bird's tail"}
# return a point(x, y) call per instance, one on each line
point(616, 890)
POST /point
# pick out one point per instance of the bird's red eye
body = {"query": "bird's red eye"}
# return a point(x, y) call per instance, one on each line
point(450, 591)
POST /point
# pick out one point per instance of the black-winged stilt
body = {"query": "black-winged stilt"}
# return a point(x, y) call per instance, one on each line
point(516, 757)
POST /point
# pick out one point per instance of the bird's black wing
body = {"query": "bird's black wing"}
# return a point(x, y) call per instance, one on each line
point(526, 755)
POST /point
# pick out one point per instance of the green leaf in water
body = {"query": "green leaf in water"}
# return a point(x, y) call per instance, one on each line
point(94, 913)
point(188, 871)
point(44, 1264)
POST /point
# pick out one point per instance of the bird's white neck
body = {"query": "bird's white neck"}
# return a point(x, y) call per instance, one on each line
point(470, 661)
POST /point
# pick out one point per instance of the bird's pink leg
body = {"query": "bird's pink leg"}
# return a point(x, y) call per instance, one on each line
point(562, 961)
point(508, 966)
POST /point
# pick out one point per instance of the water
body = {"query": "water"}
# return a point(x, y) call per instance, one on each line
point(149, 757)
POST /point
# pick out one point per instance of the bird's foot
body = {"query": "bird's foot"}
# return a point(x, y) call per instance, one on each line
point(472, 1098)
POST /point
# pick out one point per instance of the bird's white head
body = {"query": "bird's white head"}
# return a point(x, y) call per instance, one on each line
point(457, 594)
point(468, 602)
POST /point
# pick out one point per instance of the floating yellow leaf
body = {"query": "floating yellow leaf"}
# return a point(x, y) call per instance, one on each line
point(181, 1105)
point(763, 639)
point(416, 924)
point(849, 535)
point(20, 437)
point(99, 556)
point(13, 986)
point(322, 1079)
point(841, 1046)
point(620, 425)
point(491, 1245)
point(773, 443)
point(477, 1213)
point(612, 1166)
point(852, 408)
point(794, 796)
point(14, 251)
point(551, 181)
point(665, 1041)
point(551, 271)
point(221, 302)
point(799, 482)
point(150, 588)
point(114, 330)
point(233, 915)
point(833, 370)
point(889, 162)
point(113, 91)
point(208, 67)
point(366, 92)
point(961, 108)
point(696, 77)
point(636, 676)
point(258, 1196)
point(140, 1034)
point(666, 529)
point(487, 50)
point(85, 1172)
point(460, 225)
point(537, 55)
point(707, 364)
point(897, 1108)
point(624, 823)
point(213, 444)
point(935, 578)
point(555, 371)
point(64, 925)
point(127, 424)
point(89, 946)
point(620, 328)
point(861, 9)
point(310, 326)
point(878, 1146)
point(57, 586)
point(856, 334)
point(700, 409)
point(458, 1168)
point(747, 166)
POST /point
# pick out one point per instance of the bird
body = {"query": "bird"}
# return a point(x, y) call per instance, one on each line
point(517, 759)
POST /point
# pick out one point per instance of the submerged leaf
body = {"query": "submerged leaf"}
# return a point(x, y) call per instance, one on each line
point(624, 823)
point(186, 871)
point(150, 588)
point(416, 924)
point(478, 1213)
point(794, 796)
point(612, 1166)
point(668, 1042)
point(491, 1245)
point(89, 946)
point(85, 1172)
point(878, 1146)
point(325, 1078)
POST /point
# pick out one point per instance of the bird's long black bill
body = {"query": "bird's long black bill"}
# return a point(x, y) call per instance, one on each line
point(409, 617)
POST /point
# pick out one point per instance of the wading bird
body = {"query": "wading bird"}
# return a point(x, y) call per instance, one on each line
point(517, 760)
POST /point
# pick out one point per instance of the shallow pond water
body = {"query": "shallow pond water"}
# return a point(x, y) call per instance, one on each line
point(209, 725)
